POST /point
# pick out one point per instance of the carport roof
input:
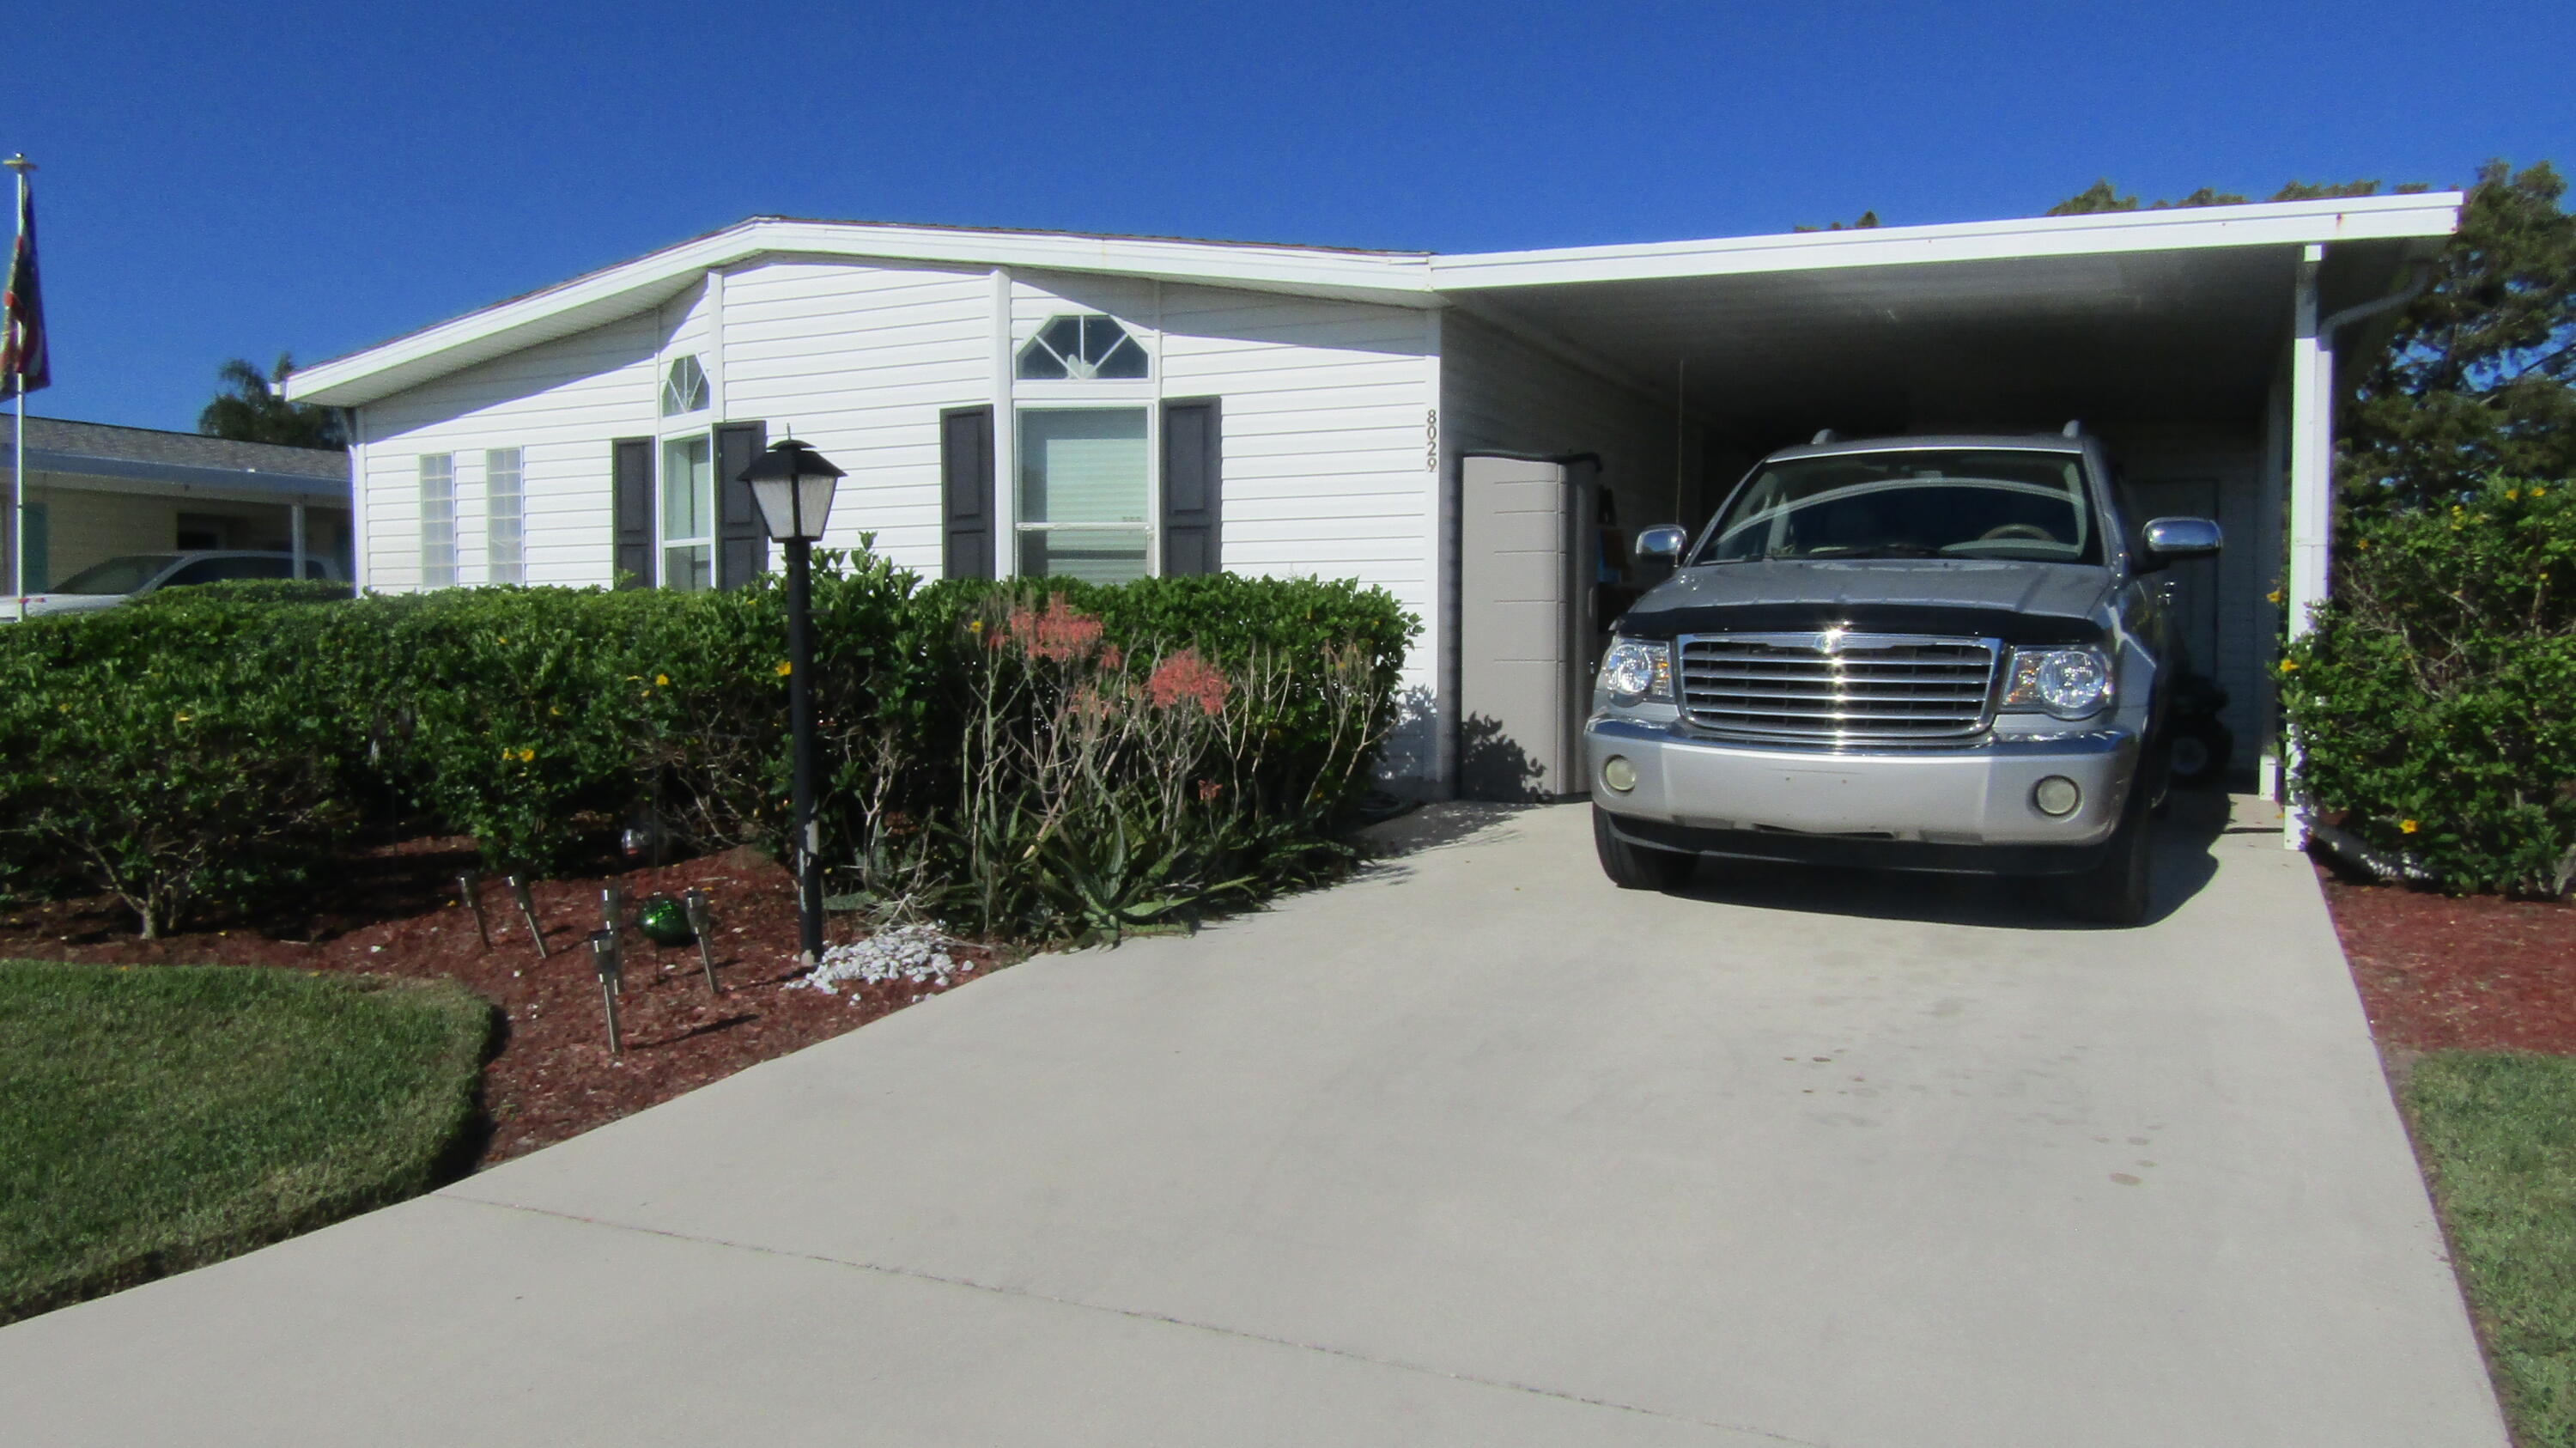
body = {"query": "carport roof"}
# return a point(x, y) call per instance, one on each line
point(2128, 317)
point(1635, 308)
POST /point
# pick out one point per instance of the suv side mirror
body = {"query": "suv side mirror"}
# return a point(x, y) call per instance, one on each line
point(2171, 539)
point(1663, 541)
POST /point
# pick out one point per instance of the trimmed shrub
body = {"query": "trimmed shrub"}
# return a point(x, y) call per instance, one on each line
point(184, 755)
point(2435, 701)
point(1199, 745)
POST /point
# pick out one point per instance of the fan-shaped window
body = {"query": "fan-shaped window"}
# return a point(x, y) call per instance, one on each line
point(685, 389)
point(1082, 348)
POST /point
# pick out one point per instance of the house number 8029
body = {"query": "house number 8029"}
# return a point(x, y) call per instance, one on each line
point(1431, 441)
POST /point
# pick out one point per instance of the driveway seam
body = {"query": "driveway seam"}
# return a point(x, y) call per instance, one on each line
point(1136, 1314)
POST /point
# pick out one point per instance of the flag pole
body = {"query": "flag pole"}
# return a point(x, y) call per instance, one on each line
point(18, 443)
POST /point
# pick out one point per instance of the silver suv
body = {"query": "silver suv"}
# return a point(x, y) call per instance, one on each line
point(1926, 653)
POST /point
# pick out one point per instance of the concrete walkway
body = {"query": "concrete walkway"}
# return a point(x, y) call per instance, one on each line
point(1477, 1151)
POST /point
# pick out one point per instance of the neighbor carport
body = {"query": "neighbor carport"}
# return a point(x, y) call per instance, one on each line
point(2200, 344)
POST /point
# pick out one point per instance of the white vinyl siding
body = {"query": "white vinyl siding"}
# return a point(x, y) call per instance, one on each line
point(437, 520)
point(559, 404)
point(859, 360)
point(504, 518)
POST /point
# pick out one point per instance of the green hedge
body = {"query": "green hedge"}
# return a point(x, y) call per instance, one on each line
point(2435, 701)
point(202, 750)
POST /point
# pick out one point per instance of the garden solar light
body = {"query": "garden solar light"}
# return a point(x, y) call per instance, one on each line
point(603, 955)
point(471, 887)
point(793, 484)
point(612, 916)
point(702, 923)
point(528, 911)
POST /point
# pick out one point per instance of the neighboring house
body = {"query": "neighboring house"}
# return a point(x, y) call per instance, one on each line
point(97, 491)
point(1102, 406)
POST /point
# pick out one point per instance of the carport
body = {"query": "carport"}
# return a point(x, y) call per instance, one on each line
point(2200, 344)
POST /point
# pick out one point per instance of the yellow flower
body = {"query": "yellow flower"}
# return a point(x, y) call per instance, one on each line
point(2276, 595)
point(661, 679)
point(526, 755)
point(2363, 545)
point(2537, 490)
point(2512, 493)
point(785, 668)
point(555, 709)
point(2289, 666)
point(181, 718)
point(2406, 826)
point(975, 625)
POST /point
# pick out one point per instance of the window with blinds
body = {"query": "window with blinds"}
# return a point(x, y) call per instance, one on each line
point(437, 520)
point(505, 517)
point(1085, 493)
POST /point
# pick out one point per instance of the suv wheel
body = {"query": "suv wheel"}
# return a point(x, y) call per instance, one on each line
point(1637, 867)
point(2116, 891)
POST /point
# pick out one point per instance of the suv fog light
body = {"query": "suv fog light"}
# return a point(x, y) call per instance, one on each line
point(2056, 796)
point(1618, 773)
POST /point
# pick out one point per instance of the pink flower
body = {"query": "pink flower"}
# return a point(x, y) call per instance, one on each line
point(1059, 634)
point(1186, 676)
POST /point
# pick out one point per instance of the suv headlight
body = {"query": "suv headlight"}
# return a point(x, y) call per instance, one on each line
point(2069, 683)
point(1635, 671)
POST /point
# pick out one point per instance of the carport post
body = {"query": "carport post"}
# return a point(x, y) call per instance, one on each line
point(2311, 495)
point(295, 535)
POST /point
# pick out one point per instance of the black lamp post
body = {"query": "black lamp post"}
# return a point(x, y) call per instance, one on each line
point(793, 485)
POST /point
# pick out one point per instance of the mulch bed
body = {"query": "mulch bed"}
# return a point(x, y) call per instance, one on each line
point(397, 911)
point(2476, 973)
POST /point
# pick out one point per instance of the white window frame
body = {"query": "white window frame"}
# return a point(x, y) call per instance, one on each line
point(438, 520)
point(673, 402)
point(1123, 400)
point(663, 543)
point(505, 515)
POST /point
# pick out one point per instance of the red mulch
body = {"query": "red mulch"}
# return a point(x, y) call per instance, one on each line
point(2479, 972)
point(397, 911)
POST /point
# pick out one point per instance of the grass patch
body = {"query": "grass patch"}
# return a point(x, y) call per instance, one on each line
point(2498, 1130)
point(160, 1117)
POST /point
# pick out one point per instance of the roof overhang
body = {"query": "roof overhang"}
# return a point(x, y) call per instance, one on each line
point(2063, 267)
point(135, 475)
point(2138, 317)
point(648, 281)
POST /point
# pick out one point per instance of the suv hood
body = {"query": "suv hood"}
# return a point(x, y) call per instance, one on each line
point(2023, 603)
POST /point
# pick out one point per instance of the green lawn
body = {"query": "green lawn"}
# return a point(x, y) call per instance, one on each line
point(158, 1117)
point(2498, 1131)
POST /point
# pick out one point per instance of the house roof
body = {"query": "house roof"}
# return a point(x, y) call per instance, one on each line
point(144, 454)
point(1415, 279)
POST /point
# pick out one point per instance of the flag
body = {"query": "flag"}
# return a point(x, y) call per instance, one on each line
point(22, 349)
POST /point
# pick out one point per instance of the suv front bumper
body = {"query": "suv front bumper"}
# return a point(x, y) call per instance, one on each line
point(1945, 801)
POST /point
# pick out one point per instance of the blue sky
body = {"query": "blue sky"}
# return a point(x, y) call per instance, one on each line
point(245, 180)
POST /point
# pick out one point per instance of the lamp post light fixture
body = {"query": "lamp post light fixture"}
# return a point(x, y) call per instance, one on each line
point(793, 485)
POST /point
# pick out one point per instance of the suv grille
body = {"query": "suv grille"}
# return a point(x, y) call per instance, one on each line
point(1837, 688)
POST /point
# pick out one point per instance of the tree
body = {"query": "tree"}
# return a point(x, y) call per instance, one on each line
point(249, 409)
point(2479, 379)
point(1868, 222)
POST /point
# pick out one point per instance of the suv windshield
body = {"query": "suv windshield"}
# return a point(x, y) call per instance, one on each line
point(117, 575)
point(2023, 504)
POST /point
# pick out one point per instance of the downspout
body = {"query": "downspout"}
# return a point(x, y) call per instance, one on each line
point(2336, 321)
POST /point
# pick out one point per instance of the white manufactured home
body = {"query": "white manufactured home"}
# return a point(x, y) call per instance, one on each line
point(1041, 403)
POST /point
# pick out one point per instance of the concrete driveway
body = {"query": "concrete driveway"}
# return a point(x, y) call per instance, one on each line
point(1475, 1151)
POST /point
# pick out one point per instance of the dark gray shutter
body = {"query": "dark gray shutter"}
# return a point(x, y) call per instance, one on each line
point(631, 471)
point(966, 485)
point(1193, 487)
point(742, 541)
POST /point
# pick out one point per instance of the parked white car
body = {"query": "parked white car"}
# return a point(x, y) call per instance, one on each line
point(105, 585)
